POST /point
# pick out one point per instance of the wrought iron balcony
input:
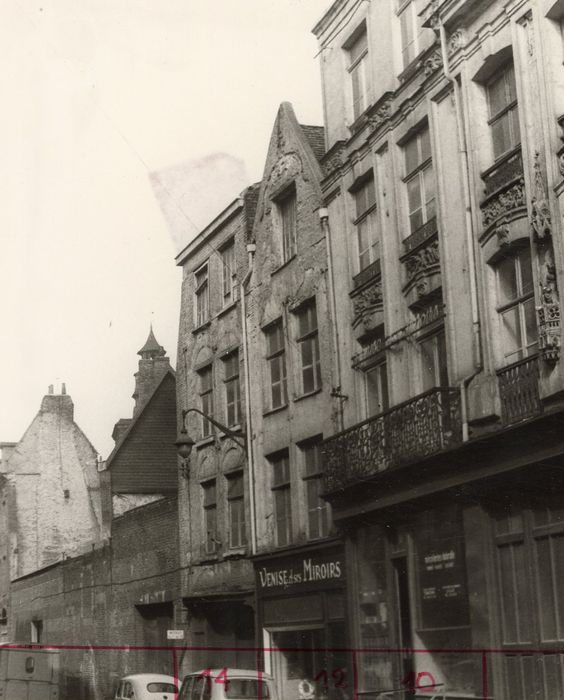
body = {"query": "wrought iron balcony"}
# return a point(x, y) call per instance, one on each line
point(418, 428)
point(519, 391)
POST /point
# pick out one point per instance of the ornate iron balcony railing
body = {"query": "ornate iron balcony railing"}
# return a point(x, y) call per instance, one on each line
point(418, 428)
point(519, 391)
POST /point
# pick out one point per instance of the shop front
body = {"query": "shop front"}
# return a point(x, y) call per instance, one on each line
point(301, 602)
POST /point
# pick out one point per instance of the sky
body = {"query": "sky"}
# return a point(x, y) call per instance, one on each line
point(108, 107)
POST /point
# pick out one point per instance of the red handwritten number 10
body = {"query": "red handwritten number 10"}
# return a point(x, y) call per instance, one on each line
point(338, 676)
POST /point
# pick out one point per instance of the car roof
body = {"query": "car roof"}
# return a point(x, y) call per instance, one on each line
point(149, 677)
point(233, 672)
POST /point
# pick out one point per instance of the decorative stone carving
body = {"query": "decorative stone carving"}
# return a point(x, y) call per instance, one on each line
point(502, 233)
point(430, 17)
point(433, 62)
point(334, 158)
point(367, 300)
point(422, 260)
point(503, 203)
point(455, 41)
point(527, 23)
point(540, 209)
point(381, 115)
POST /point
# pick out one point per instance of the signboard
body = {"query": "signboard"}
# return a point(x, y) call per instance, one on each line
point(443, 591)
point(311, 571)
point(175, 634)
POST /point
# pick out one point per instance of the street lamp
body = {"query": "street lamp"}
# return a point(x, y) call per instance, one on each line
point(184, 443)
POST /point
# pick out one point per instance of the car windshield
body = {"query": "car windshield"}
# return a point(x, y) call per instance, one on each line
point(246, 689)
point(161, 688)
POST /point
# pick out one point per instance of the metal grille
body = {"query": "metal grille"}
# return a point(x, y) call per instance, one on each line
point(519, 391)
point(417, 428)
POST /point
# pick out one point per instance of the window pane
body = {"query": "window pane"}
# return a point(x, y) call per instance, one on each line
point(515, 128)
point(501, 135)
point(358, 80)
point(531, 328)
point(312, 459)
point(497, 96)
point(511, 333)
point(429, 363)
point(359, 47)
point(507, 280)
point(414, 194)
point(510, 82)
point(429, 184)
point(407, 39)
point(376, 390)
point(411, 155)
point(526, 270)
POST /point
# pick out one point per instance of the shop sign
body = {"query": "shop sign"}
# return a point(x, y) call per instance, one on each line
point(312, 571)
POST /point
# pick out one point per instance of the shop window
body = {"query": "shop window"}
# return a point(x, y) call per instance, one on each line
point(419, 179)
point(282, 497)
point(287, 216)
point(410, 31)
point(358, 70)
point(209, 494)
point(317, 507)
point(433, 361)
point(232, 386)
point(308, 344)
point(229, 274)
point(202, 296)
point(516, 305)
point(503, 111)
point(236, 510)
point(376, 389)
point(206, 398)
point(276, 360)
point(36, 631)
point(367, 235)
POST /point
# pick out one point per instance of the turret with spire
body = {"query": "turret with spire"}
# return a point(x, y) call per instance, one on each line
point(152, 366)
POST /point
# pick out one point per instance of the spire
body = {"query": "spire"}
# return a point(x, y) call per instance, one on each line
point(151, 349)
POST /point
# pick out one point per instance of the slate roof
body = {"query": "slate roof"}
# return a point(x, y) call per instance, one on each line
point(316, 138)
point(151, 345)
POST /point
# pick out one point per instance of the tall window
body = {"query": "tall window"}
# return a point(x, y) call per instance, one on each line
point(202, 296)
point(288, 223)
point(308, 343)
point(419, 179)
point(434, 361)
point(36, 631)
point(232, 386)
point(229, 274)
point(206, 398)
point(516, 305)
point(504, 113)
point(282, 496)
point(358, 70)
point(376, 385)
point(410, 30)
point(210, 515)
point(317, 508)
point(368, 240)
point(276, 359)
point(236, 510)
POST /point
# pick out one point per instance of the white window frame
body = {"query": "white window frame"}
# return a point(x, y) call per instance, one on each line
point(359, 67)
point(439, 367)
point(381, 367)
point(418, 174)
point(206, 399)
point(366, 216)
point(202, 295)
point(509, 110)
point(211, 541)
point(277, 357)
point(313, 479)
point(309, 339)
point(229, 273)
point(285, 487)
point(237, 539)
point(234, 380)
point(406, 8)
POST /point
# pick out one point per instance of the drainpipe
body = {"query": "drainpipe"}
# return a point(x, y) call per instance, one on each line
point(251, 248)
point(324, 219)
point(470, 240)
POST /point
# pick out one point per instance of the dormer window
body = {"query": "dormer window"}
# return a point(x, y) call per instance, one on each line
point(287, 214)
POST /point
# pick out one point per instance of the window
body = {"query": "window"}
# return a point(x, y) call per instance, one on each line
point(276, 359)
point(281, 494)
point(232, 386)
point(236, 509)
point(419, 180)
point(229, 274)
point(410, 30)
point(504, 114)
point(358, 70)
point(210, 516)
point(202, 296)
point(36, 631)
point(288, 223)
point(317, 508)
point(368, 239)
point(206, 398)
point(434, 361)
point(308, 343)
point(516, 306)
point(376, 387)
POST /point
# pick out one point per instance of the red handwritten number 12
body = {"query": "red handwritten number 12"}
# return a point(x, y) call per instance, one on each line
point(338, 676)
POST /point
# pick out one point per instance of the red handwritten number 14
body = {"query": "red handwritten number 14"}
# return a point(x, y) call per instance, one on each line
point(221, 677)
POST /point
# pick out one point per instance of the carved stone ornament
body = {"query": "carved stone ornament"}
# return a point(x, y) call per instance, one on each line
point(455, 41)
point(433, 63)
point(422, 260)
point(431, 16)
point(381, 115)
point(502, 233)
point(366, 303)
point(503, 203)
point(540, 209)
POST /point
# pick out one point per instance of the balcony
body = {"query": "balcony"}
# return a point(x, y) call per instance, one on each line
point(418, 428)
point(504, 191)
point(519, 391)
point(366, 297)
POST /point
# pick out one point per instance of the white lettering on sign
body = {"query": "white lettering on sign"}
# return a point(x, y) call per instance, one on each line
point(175, 634)
point(310, 571)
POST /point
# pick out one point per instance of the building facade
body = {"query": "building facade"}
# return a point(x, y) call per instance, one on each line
point(442, 182)
point(216, 519)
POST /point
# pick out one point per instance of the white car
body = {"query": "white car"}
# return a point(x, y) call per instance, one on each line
point(146, 686)
point(227, 684)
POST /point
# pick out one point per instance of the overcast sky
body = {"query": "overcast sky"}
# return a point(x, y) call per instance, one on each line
point(96, 96)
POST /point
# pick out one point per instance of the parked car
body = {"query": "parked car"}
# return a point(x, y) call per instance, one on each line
point(227, 684)
point(146, 686)
point(29, 673)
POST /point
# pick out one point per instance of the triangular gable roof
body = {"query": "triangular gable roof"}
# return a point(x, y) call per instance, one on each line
point(316, 139)
point(135, 420)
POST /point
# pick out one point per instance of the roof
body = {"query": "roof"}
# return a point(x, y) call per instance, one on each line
point(316, 139)
point(233, 672)
point(158, 677)
point(151, 345)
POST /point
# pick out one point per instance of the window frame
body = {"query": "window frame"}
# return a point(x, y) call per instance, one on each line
point(202, 295)
point(423, 169)
point(288, 201)
point(438, 367)
point(359, 66)
point(366, 216)
point(229, 273)
point(310, 338)
point(206, 395)
point(235, 381)
point(284, 487)
point(239, 498)
point(381, 366)
point(314, 479)
point(211, 542)
point(507, 110)
point(403, 7)
point(278, 357)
